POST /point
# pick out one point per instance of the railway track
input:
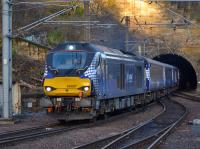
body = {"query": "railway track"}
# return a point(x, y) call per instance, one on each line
point(35, 132)
point(54, 128)
point(146, 135)
point(186, 96)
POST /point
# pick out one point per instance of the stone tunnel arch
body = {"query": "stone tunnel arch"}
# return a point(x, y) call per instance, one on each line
point(188, 78)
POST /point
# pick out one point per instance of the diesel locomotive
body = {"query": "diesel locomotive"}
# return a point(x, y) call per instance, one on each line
point(85, 80)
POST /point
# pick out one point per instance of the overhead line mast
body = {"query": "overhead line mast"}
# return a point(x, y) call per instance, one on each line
point(7, 57)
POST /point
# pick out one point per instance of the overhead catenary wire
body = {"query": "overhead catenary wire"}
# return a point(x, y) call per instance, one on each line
point(31, 8)
point(188, 22)
point(179, 15)
point(49, 2)
point(41, 4)
point(39, 22)
point(92, 25)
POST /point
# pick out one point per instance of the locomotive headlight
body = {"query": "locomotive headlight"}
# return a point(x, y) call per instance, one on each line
point(48, 89)
point(70, 47)
point(86, 88)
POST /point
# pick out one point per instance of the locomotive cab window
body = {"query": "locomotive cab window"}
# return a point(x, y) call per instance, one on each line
point(69, 60)
point(69, 63)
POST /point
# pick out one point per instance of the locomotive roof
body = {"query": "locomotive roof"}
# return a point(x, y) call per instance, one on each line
point(159, 63)
point(77, 45)
point(89, 47)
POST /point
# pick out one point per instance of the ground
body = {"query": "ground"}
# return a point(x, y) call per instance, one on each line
point(74, 138)
point(185, 136)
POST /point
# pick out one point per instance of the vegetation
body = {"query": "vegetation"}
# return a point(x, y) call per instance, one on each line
point(56, 36)
point(79, 11)
point(14, 51)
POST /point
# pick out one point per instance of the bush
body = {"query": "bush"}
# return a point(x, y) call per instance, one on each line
point(55, 37)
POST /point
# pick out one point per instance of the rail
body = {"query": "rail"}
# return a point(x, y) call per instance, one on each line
point(146, 135)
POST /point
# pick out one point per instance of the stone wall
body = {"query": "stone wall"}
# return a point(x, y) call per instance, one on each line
point(29, 49)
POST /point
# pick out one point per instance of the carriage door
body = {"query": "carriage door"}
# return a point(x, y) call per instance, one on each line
point(122, 77)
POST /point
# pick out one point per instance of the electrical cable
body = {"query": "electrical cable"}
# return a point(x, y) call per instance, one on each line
point(49, 2)
point(39, 22)
point(24, 9)
point(177, 14)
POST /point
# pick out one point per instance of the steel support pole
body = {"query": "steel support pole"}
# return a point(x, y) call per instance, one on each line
point(87, 18)
point(144, 48)
point(127, 24)
point(7, 57)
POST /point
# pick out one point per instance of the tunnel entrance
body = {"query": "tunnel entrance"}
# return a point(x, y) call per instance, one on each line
point(188, 78)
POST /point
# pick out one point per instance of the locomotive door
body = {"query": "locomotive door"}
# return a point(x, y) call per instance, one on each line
point(103, 75)
point(122, 77)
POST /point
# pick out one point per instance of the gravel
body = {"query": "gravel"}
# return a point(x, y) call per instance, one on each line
point(29, 121)
point(73, 138)
point(185, 136)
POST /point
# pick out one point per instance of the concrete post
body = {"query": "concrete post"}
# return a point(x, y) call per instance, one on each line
point(7, 57)
point(127, 24)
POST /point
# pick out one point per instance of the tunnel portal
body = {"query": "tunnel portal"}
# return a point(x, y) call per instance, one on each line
point(188, 78)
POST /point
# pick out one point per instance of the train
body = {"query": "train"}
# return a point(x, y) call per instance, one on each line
point(85, 80)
